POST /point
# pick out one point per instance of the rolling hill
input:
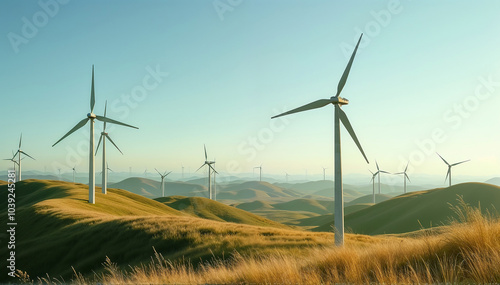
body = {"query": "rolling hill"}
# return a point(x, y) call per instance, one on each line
point(209, 209)
point(152, 189)
point(412, 211)
point(369, 199)
point(56, 221)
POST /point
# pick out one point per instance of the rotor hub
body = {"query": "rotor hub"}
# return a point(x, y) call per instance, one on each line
point(91, 116)
point(339, 100)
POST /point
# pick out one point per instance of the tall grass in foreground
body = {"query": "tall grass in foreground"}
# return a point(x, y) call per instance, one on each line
point(467, 251)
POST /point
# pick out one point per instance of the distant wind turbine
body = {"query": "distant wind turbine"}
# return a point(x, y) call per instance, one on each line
point(13, 160)
point(19, 151)
point(260, 172)
point(378, 173)
point(103, 138)
point(209, 163)
point(165, 174)
point(339, 116)
point(146, 173)
point(286, 177)
point(91, 117)
point(405, 176)
point(74, 171)
point(373, 185)
point(448, 174)
point(324, 176)
point(59, 171)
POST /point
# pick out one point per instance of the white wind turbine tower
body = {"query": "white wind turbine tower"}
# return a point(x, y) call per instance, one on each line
point(74, 171)
point(405, 176)
point(260, 172)
point(286, 177)
point(19, 151)
point(91, 117)
point(448, 174)
point(324, 176)
point(378, 173)
point(339, 116)
point(165, 174)
point(209, 163)
point(103, 137)
point(373, 185)
point(59, 174)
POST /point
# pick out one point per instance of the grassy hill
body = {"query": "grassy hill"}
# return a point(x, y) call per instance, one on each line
point(349, 193)
point(254, 205)
point(152, 189)
point(308, 205)
point(412, 211)
point(369, 199)
point(269, 189)
point(58, 228)
point(209, 209)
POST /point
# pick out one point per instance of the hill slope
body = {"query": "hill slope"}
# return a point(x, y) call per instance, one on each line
point(152, 189)
point(209, 209)
point(58, 228)
point(413, 210)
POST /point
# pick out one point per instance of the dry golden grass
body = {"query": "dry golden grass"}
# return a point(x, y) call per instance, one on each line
point(467, 251)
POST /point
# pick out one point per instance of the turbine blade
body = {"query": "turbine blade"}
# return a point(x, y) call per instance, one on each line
point(98, 144)
point(205, 148)
point(460, 162)
point(109, 138)
point(406, 175)
point(447, 173)
point(158, 172)
point(347, 125)
point(111, 121)
point(384, 172)
point(443, 159)
point(310, 106)
point(14, 156)
point(92, 93)
point(105, 107)
point(406, 168)
point(200, 167)
point(20, 140)
point(343, 79)
point(27, 155)
point(213, 169)
point(168, 174)
point(399, 173)
point(378, 169)
point(79, 125)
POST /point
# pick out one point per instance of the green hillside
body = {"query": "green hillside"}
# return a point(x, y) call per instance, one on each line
point(152, 189)
point(308, 205)
point(56, 222)
point(269, 189)
point(369, 199)
point(414, 210)
point(254, 205)
point(213, 210)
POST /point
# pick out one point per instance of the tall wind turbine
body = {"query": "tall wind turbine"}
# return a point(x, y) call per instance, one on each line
point(103, 137)
point(165, 174)
point(91, 117)
point(405, 176)
point(74, 171)
point(378, 173)
point(209, 163)
point(339, 116)
point(373, 185)
point(324, 176)
point(448, 174)
point(260, 172)
point(19, 151)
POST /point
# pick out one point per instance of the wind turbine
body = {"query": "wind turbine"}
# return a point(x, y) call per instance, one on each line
point(108, 170)
point(286, 177)
point(19, 151)
point(448, 174)
point(339, 116)
point(165, 174)
point(324, 176)
point(260, 172)
point(146, 173)
point(91, 117)
point(74, 171)
point(373, 185)
point(12, 160)
point(209, 163)
point(59, 171)
point(405, 176)
point(378, 173)
point(103, 137)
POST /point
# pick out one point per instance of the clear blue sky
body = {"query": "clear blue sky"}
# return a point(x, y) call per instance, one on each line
point(420, 70)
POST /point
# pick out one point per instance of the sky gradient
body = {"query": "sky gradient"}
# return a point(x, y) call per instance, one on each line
point(426, 78)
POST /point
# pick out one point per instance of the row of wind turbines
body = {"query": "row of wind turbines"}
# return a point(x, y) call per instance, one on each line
point(339, 117)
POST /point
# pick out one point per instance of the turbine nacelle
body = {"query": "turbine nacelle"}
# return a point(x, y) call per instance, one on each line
point(91, 116)
point(339, 100)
